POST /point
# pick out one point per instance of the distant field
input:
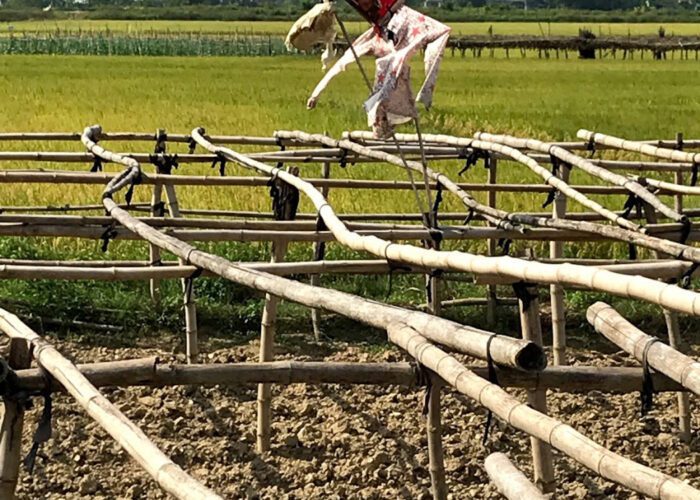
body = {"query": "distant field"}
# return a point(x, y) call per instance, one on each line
point(281, 27)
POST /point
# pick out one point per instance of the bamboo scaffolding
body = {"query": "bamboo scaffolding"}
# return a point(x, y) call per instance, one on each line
point(167, 474)
point(619, 233)
point(556, 251)
point(567, 275)
point(667, 360)
point(319, 253)
point(602, 461)
point(504, 351)
point(151, 372)
point(569, 158)
point(509, 480)
point(491, 201)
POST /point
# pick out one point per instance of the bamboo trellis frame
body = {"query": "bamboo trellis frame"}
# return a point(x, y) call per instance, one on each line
point(415, 332)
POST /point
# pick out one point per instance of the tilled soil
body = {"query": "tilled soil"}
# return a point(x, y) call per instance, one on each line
point(331, 441)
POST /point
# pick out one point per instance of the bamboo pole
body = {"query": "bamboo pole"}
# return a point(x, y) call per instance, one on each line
point(12, 425)
point(639, 147)
point(188, 293)
point(674, 338)
point(602, 461)
point(436, 464)
point(167, 474)
point(319, 251)
point(504, 351)
point(509, 480)
point(530, 323)
point(667, 360)
point(153, 250)
point(152, 373)
point(267, 339)
point(491, 201)
point(556, 251)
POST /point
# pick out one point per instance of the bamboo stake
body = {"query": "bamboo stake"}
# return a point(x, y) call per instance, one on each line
point(12, 425)
point(556, 251)
point(167, 474)
point(674, 338)
point(509, 480)
point(491, 200)
point(267, 339)
point(319, 251)
point(667, 360)
point(153, 250)
point(604, 462)
point(150, 372)
point(434, 430)
point(188, 295)
point(530, 323)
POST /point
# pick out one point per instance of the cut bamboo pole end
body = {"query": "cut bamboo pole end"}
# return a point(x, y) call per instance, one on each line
point(509, 480)
point(667, 360)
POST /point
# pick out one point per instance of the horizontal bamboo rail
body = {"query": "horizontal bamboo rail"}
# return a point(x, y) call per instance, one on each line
point(509, 480)
point(166, 473)
point(152, 373)
point(604, 462)
point(638, 147)
point(663, 358)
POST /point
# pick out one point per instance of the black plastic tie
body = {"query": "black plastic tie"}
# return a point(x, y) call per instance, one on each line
point(647, 392)
point(96, 165)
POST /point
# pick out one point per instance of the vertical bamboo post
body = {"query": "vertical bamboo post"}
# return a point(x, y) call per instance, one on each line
point(285, 203)
point(267, 339)
point(191, 343)
point(156, 198)
point(556, 250)
point(12, 424)
point(529, 307)
point(492, 243)
point(678, 177)
point(674, 340)
point(434, 428)
point(319, 249)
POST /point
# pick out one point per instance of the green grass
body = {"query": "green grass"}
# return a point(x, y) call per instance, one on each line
point(547, 99)
point(281, 27)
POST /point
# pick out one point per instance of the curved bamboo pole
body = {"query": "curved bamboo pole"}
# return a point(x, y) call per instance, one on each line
point(166, 473)
point(666, 295)
point(604, 462)
point(638, 147)
point(566, 156)
point(661, 357)
point(504, 350)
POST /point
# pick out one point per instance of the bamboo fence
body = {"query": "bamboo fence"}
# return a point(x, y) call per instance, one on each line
point(517, 362)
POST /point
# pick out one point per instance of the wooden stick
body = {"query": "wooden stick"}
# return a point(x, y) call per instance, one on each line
point(319, 250)
point(12, 425)
point(436, 464)
point(153, 250)
point(509, 480)
point(167, 474)
point(602, 461)
point(665, 359)
point(530, 323)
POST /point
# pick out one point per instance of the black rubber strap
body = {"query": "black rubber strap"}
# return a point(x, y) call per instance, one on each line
point(137, 179)
point(647, 393)
point(694, 173)
point(426, 396)
point(470, 216)
point(221, 161)
point(505, 243)
point(685, 230)
point(493, 378)
point(43, 430)
point(688, 275)
point(109, 234)
point(551, 196)
point(189, 283)
point(522, 292)
point(96, 165)
point(192, 145)
point(394, 266)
